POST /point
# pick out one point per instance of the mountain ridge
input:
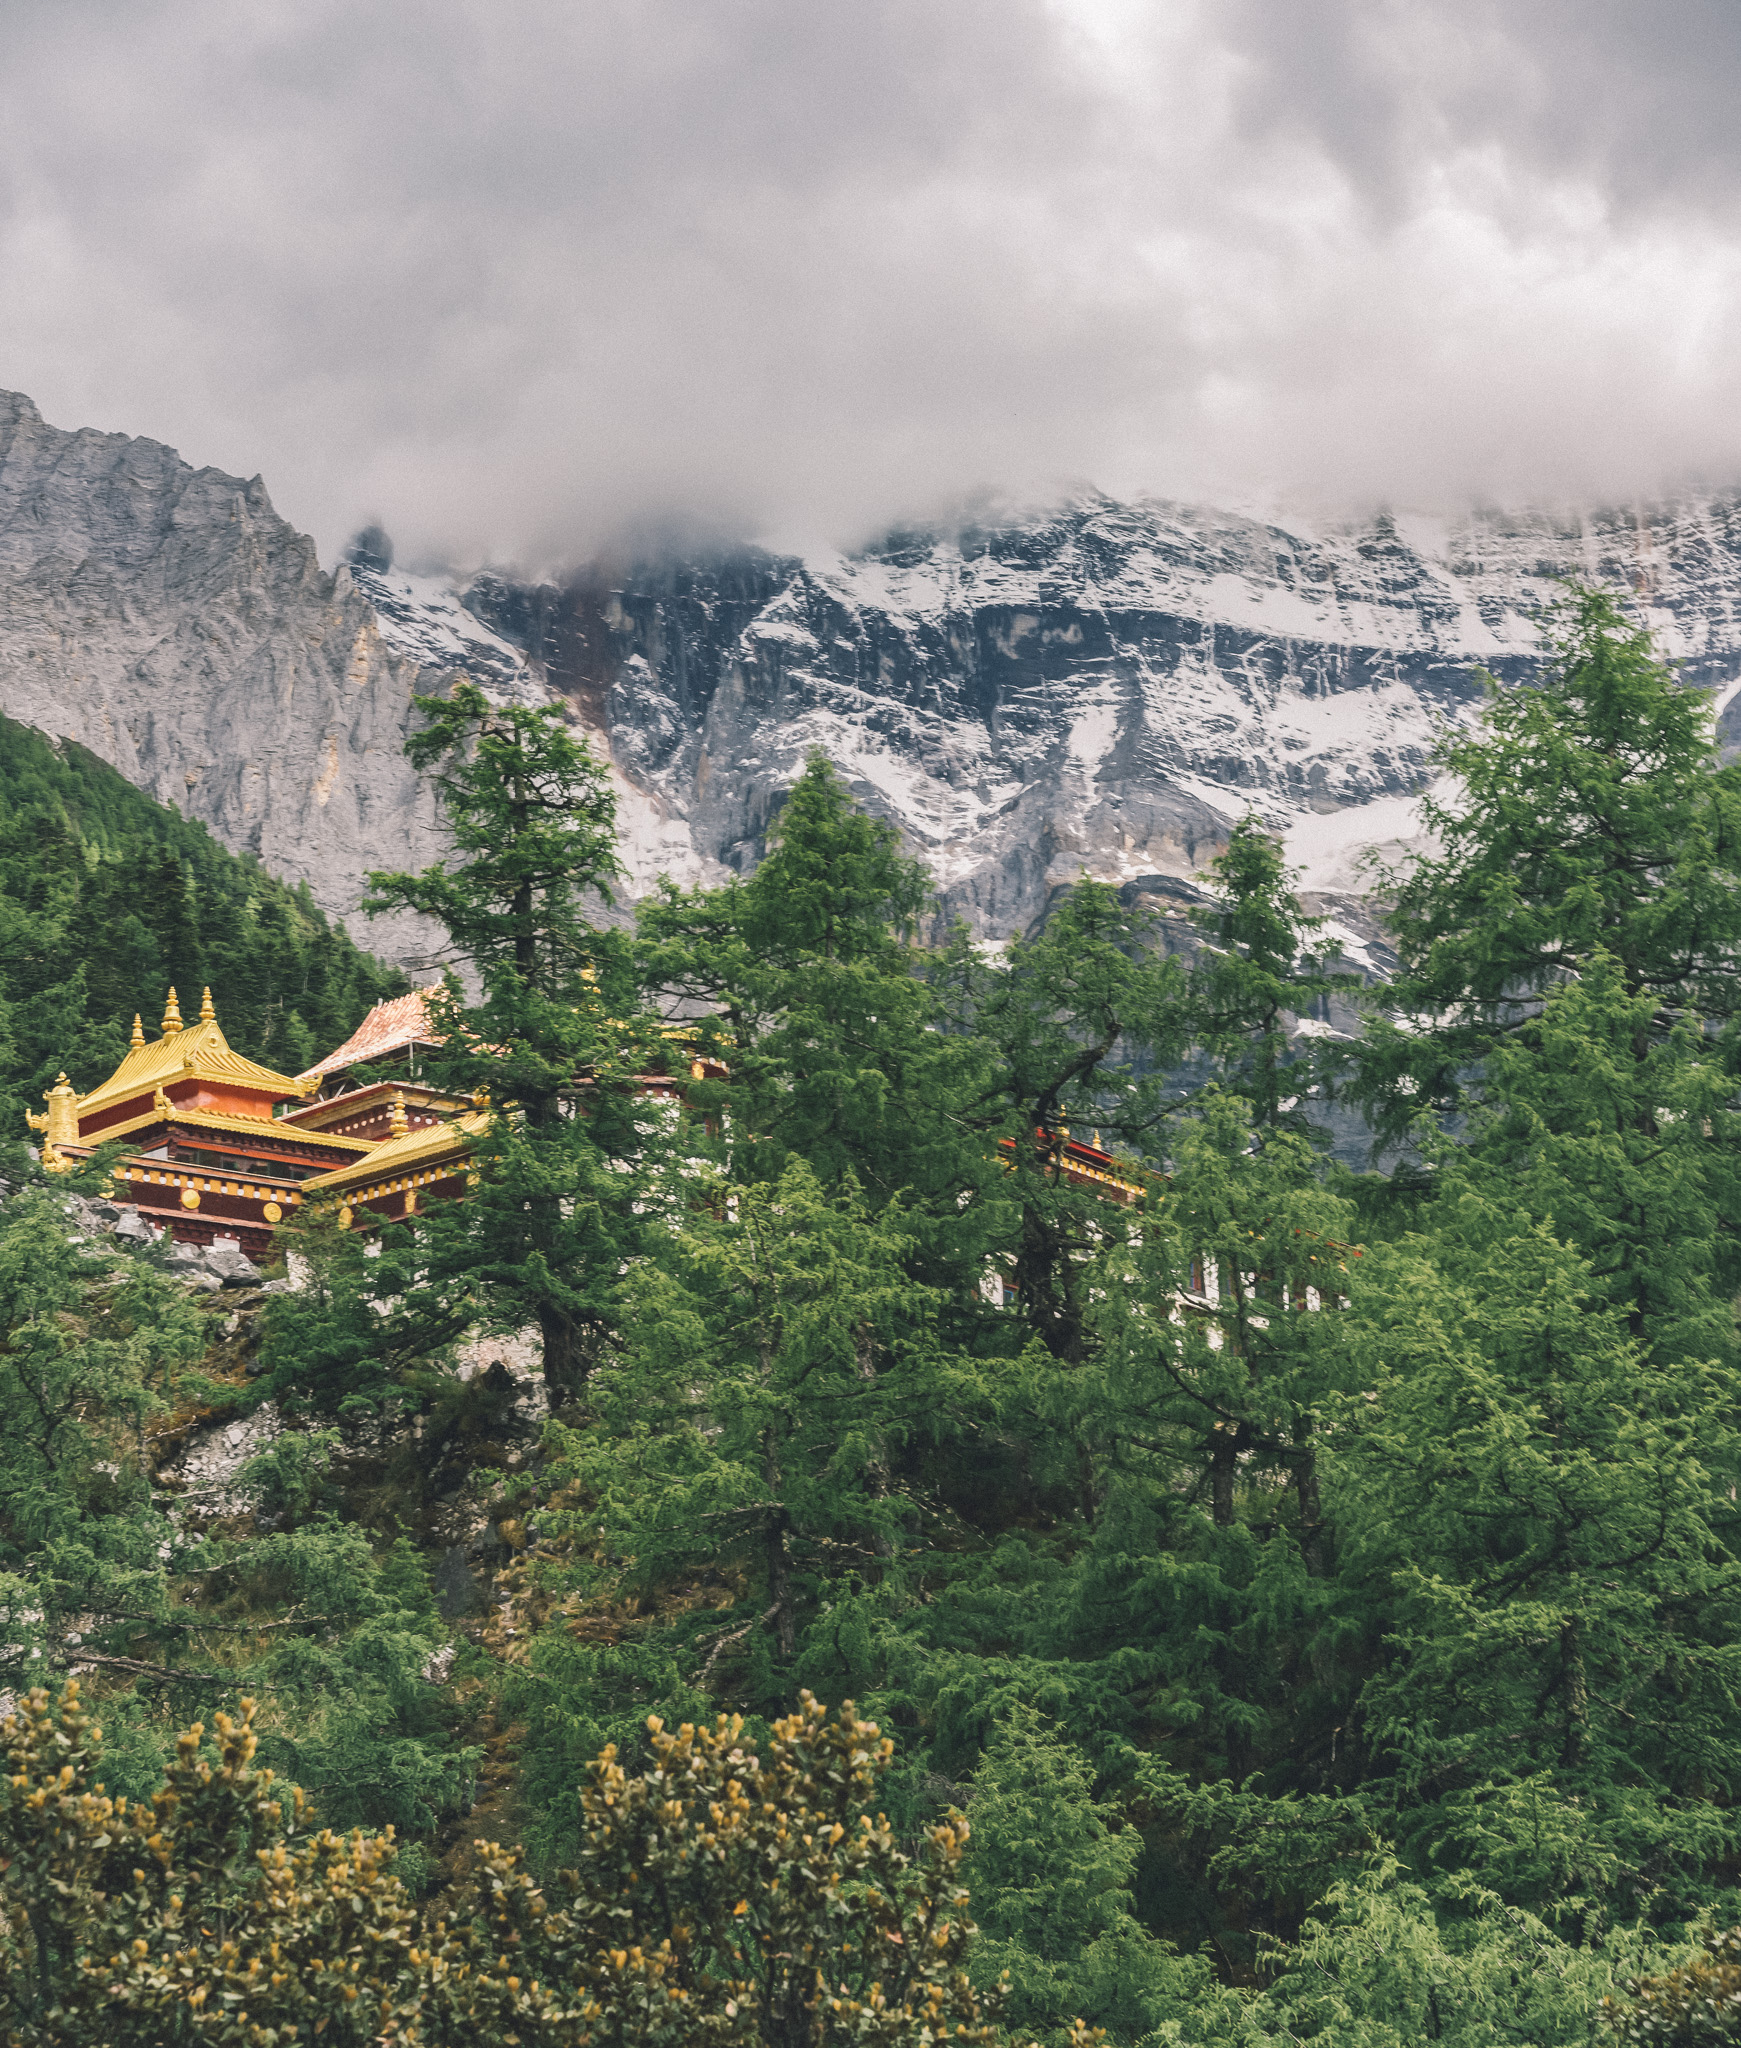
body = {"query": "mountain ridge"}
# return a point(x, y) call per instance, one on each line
point(1102, 687)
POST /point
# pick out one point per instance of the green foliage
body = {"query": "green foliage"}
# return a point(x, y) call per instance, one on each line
point(552, 1215)
point(779, 1363)
point(358, 1335)
point(1257, 972)
point(1591, 815)
point(1334, 1639)
point(1376, 1966)
point(1082, 1025)
point(213, 1911)
point(107, 898)
point(1322, 1592)
point(1542, 1466)
point(90, 1349)
point(837, 1041)
point(1054, 1868)
point(1696, 2006)
point(98, 1569)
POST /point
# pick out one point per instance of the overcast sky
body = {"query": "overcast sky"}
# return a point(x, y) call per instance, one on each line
point(512, 274)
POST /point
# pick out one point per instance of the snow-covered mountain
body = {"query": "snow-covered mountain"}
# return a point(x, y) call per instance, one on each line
point(1101, 687)
point(1096, 687)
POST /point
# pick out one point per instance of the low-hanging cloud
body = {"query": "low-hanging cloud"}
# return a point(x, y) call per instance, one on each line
point(518, 279)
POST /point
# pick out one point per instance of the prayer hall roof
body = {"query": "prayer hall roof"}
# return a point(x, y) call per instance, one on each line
point(393, 1156)
point(389, 1027)
point(199, 1049)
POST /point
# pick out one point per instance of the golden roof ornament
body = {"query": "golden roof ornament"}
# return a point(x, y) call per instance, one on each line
point(61, 1125)
point(398, 1123)
point(207, 1014)
point(171, 1015)
point(63, 1111)
point(137, 1042)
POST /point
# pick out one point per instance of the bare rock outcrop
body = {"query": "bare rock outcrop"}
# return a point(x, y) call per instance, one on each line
point(168, 618)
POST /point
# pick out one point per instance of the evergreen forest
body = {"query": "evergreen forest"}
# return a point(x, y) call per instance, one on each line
point(1295, 1604)
point(108, 898)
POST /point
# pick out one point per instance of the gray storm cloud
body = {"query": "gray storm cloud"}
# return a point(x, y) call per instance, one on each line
point(518, 278)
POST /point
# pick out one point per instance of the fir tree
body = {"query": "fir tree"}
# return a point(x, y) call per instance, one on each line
point(805, 981)
point(1083, 1024)
point(1054, 1868)
point(1257, 973)
point(552, 1215)
point(1590, 815)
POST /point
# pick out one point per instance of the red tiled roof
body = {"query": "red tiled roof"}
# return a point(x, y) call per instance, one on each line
point(400, 1021)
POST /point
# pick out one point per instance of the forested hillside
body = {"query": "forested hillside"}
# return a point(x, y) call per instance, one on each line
point(108, 898)
point(1320, 1591)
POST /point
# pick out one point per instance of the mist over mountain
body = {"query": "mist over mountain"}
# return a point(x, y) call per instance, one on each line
point(1100, 688)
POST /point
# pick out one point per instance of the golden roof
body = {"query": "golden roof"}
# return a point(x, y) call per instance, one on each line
point(394, 1156)
point(249, 1127)
point(200, 1050)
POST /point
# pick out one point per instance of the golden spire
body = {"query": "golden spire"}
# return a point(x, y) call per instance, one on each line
point(207, 1015)
point(171, 1015)
point(137, 1042)
point(398, 1123)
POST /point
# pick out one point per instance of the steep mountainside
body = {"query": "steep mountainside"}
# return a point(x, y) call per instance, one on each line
point(1103, 686)
point(1099, 686)
point(171, 621)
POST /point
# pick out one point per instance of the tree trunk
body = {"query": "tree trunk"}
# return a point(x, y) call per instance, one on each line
point(1223, 1458)
point(1577, 1695)
point(877, 1471)
point(1306, 1491)
point(566, 1360)
point(779, 1557)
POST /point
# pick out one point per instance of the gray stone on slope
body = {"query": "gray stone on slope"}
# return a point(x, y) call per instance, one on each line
point(458, 1592)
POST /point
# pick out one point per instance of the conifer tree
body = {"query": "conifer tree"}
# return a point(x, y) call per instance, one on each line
point(1054, 1866)
point(549, 1046)
point(805, 980)
point(778, 1360)
point(1590, 814)
point(1258, 969)
point(1083, 1023)
point(1542, 1466)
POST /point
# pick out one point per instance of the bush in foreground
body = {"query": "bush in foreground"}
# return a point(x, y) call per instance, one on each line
point(724, 1895)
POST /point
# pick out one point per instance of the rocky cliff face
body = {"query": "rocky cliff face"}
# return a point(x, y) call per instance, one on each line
point(1099, 687)
point(171, 621)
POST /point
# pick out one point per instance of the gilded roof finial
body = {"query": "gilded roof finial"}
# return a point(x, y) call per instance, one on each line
point(207, 1015)
point(61, 1125)
point(398, 1123)
point(171, 1015)
point(137, 1042)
